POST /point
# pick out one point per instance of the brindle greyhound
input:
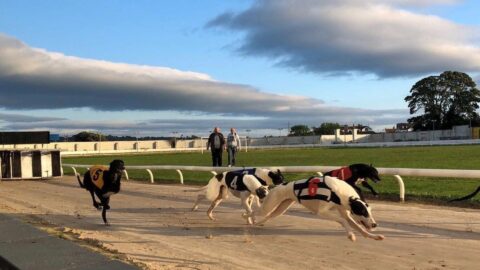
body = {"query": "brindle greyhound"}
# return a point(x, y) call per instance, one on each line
point(357, 172)
point(103, 182)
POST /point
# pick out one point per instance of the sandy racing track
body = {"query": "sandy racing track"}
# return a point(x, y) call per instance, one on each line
point(153, 225)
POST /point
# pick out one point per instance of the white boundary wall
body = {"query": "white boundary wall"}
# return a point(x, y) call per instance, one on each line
point(129, 147)
point(357, 140)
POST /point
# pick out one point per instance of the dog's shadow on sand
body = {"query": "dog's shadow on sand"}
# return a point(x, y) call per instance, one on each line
point(180, 263)
point(275, 230)
point(188, 223)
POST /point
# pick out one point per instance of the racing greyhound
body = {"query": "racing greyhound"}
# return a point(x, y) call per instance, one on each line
point(244, 184)
point(325, 196)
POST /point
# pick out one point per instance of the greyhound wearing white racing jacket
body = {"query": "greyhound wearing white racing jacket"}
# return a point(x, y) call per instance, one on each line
point(325, 196)
point(244, 184)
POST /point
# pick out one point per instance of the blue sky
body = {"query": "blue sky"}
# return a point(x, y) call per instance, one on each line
point(177, 35)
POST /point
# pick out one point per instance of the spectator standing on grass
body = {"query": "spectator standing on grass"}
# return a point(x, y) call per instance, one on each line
point(233, 145)
point(216, 142)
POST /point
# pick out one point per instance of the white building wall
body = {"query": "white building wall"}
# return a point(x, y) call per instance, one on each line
point(111, 147)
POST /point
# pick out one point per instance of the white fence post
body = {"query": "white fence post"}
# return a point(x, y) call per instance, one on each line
point(320, 173)
point(126, 174)
point(214, 173)
point(74, 171)
point(402, 187)
point(181, 176)
point(151, 176)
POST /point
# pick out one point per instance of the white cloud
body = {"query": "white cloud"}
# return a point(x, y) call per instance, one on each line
point(344, 36)
point(165, 127)
point(33, 78)
point(20, 118)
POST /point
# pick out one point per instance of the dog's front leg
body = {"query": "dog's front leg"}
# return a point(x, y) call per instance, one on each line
point(367, 185)
point(329, 215)
point(106, 206)
point(257, 201)
point(359, 228)
point(359, 192)
point(246, 199)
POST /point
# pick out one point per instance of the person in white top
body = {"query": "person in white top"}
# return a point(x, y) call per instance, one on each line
point(233, 146)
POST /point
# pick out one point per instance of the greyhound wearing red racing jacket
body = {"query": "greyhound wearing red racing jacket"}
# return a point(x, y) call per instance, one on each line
point(357, 173)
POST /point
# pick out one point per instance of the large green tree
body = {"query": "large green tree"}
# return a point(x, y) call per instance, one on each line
point(326, 129)
point(446, 100)
point(300, 130)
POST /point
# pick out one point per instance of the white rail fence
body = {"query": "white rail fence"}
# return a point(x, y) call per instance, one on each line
point(396, 172)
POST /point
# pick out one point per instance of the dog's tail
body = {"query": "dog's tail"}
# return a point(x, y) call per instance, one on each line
point(196, 190)
point(467, 197)
point(80, 181)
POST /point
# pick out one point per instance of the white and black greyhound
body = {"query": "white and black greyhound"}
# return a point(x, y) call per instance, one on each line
point(244, 184)
point(325, 196)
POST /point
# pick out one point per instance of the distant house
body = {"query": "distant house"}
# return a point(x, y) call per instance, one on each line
point(365, 129)
point(399, 127)
point(403, 127)
point(361, 129)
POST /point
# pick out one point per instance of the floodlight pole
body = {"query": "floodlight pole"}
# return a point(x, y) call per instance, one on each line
point(136, 137)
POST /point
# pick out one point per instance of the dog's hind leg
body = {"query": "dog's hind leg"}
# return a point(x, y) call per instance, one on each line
point(216, 202)
point(273, 200)
point(280, 210)
point(95, 203)
point(200, 198)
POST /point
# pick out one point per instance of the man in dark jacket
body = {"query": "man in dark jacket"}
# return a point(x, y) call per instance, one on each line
point(216, 142)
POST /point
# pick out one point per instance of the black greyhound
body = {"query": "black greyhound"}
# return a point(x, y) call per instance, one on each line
point(467, 197)
point(353, 173)
point(104, 182)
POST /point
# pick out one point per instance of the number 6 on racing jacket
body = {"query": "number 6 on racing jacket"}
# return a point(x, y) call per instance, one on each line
point(243, 184)
point(327, 197)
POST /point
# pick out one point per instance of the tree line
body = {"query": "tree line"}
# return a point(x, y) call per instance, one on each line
point(443, 101)
point(436, 102)
point(323, 129)
point(87, 136)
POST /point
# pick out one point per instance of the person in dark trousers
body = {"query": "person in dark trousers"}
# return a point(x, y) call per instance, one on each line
point(216, 142)
point(233, 145)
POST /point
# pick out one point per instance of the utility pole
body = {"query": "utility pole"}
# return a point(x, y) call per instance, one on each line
point(136, 137)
